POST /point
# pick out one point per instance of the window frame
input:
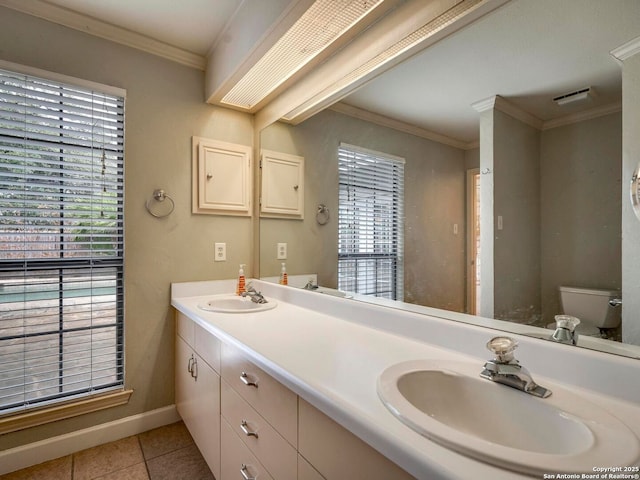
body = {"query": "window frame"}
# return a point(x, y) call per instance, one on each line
point(66, 268)
point(382, 252)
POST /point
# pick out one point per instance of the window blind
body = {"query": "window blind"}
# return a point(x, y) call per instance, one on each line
point(370, 222)
point(61, 241)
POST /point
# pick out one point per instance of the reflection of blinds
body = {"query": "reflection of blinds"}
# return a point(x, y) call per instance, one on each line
point(61, 241)
point(370, 222)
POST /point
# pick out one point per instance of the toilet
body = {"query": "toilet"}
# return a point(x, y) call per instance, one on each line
point(592, 307)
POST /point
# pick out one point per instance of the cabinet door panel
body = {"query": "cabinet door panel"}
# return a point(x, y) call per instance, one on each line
point(319, 436)
point(208, 347)
point(198, 402)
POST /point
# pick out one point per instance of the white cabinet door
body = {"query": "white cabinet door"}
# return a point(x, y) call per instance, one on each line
point(198, 402)
point(221, 177)
point(282, 185)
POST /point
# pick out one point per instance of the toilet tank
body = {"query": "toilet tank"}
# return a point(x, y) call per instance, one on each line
point(591, 306)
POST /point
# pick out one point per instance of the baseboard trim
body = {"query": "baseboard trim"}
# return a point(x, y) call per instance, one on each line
point(55, 447)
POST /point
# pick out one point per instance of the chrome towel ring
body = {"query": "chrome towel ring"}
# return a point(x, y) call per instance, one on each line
point(322, 214)
point(160, 196)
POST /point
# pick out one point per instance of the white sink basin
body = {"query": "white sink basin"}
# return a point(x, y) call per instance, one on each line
point(449, 403)
point(234, 304)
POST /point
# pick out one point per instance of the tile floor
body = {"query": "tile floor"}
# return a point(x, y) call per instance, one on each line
point(165, 453)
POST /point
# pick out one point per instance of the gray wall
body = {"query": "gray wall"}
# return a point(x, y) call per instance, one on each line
point(630, 224)
point(517, 200)
point(434, 201)
point(581, 208)
point(164, 108)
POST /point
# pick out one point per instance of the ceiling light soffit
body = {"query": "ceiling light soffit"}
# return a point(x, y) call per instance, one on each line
point(316, 30)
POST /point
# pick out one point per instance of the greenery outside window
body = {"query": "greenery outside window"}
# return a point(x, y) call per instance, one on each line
point(61, 240)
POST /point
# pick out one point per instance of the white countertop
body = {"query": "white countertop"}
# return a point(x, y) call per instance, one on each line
point(334, 364)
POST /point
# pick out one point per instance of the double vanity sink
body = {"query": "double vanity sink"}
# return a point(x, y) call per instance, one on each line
point(529, 429)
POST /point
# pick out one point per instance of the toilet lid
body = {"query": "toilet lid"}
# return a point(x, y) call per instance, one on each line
point(588, 330)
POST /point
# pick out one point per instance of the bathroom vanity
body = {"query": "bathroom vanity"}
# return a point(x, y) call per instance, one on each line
point(292, 391)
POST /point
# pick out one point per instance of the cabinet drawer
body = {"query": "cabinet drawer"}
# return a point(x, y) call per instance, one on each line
point(207, 346)
point(275, 402)
point(185, 328)
point(237, 460)
point(337, 453)
point(275, 453)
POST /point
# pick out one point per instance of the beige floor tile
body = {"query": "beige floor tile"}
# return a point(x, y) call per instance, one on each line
point(164, 440)
point(184, 464)
point(104, 459)
point(58, 469)
point(137, 472)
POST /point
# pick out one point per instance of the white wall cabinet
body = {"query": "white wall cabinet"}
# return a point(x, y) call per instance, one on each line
point(248, 425)
point(221, 177)
point(282, 185)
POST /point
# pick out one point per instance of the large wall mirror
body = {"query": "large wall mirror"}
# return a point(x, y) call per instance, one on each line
point(508, 194)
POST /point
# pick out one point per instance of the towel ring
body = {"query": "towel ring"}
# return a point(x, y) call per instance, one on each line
point(160, 195)
point(322, 215)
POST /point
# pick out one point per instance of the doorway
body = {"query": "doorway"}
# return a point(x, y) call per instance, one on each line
point(473, 241)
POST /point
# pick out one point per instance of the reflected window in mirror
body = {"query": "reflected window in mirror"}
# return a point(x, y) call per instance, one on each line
point(370, 222)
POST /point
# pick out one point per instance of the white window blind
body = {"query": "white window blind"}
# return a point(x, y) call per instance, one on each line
point(61, 241)
point(370, 222)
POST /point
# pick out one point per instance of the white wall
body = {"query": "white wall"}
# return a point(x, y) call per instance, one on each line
point(164, 108)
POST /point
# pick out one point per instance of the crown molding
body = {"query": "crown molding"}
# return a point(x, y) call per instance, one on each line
point(627, 50)
point(92, 26)
point(384, 121)
point(582, 116)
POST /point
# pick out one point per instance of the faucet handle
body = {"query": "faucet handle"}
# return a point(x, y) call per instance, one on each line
point(502, 348)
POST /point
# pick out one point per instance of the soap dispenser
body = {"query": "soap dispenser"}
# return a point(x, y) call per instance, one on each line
point(283, 275)
point(240, 289)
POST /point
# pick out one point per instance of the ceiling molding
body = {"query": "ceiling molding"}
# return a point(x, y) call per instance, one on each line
point(484, 105)
point(583, 116)
point(383, 121)
point(627, 50)
point(92, 26)
point(499, 103)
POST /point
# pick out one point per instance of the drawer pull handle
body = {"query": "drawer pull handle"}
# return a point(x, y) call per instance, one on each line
point(248, 381)
point(190, 365)
point(245, 428)
point(245, 473)
point(194, 369)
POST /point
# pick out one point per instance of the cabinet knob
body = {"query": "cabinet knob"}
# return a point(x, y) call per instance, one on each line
point(295, 187)
point(209, 176)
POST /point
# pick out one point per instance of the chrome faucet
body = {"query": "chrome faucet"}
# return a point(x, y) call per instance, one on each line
point(505, 369)
point(256, 297)
point(566, 330)
point(310, 285)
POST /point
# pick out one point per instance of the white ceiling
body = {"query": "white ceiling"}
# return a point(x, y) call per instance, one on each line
point(192, 25)
point(527, 51)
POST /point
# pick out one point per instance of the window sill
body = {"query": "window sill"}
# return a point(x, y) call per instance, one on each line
point(32, 418)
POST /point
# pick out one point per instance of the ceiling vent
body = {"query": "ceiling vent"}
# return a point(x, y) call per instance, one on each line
point(578, 95)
